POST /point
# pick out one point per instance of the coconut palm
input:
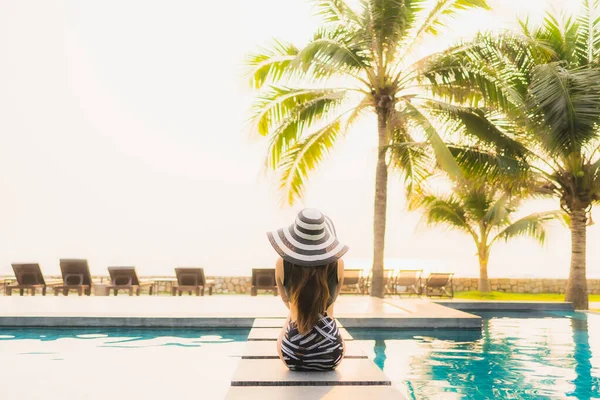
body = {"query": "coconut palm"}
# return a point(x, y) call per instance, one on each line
point(542, 89)
point(483, 211)
point(359, 61)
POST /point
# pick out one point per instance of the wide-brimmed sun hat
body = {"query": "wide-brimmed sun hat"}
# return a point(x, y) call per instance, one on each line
point(310, 241)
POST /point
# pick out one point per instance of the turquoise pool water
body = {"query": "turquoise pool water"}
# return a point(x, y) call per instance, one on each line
point(544, 355)
point(541, 355)
point(114, 364)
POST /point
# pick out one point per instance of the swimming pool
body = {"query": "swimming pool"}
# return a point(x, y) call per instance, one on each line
point(520, 355)
point(113, 363)
point(524, 355)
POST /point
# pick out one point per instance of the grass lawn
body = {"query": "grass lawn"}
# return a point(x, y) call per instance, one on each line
point(474, 295)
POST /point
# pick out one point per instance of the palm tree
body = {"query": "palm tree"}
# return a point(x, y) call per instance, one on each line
point(483, 211)
point(541, 87)
point(358, 61)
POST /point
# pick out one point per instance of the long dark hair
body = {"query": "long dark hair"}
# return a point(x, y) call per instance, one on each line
point(309, 292)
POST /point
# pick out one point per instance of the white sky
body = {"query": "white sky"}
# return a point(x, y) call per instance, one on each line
point(123, 140)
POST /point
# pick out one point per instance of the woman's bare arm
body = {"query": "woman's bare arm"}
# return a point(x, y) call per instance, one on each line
point(279, 279)
point(340, 273)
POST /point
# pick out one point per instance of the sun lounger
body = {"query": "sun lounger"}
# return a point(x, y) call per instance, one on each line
point(76, 276)
point(191, 280)
point(29, 277)
point(388, 281)
point(355, 282)
point(126, 278)
point(263, 278)
point(6, 280)
point(408, 281)
point(439, 284)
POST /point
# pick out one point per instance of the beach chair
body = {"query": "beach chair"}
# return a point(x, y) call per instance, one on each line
point(76, 276)
point(439, 284)
point(354, 281)
point(263, 278)
point(388, 281)
point(126, 278)
point(408, 281)
point(191, 280)
point(29, 277)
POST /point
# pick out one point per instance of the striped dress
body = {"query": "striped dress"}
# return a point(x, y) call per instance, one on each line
point(321, 349)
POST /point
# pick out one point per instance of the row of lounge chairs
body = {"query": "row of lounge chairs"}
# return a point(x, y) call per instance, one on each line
point(405, 282)
point(76, 277)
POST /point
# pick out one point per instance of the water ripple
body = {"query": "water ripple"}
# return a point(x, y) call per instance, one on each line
point(543, 355)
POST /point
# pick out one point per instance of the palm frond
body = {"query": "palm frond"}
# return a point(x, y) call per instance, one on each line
point(484, 127)
point(272, 63)
point(357, 112)
point(560, 33)
point(454, 93)
point(280, 106)
point(334, 51)
point(476, 198)
point(411, 158)
point(443, 156)
point(566, 106)
point(390, 20)
point(437, 18)
point(303, 157)
point(499, 211)
point(336, 11)
point(594, 171)
point(588, 39)
point(439, 210)
point(482, 68)
point(595, 166)
point(505, 171)
point(533, 226)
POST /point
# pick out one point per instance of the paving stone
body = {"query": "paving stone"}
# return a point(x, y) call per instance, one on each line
point(274, 373)
point(268, 349)
point(273, 334)
point(314, 393)
point(268, 322)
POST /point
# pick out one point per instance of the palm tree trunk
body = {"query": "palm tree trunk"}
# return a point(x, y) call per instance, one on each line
point(484, 282)
point(577, 284)
point(381, 177)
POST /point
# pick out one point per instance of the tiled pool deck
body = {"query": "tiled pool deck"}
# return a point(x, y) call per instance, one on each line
point(241, 311)
point(219, 311)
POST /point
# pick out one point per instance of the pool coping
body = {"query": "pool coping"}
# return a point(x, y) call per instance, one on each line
point(218, 312)
point(125, 322)
point(229, 322)
point(124, 312)
point(478, 305)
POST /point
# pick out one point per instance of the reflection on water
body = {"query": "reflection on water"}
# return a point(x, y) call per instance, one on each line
point(516, 355)
point(130, 338)
point(46, 334)
point(143, 363)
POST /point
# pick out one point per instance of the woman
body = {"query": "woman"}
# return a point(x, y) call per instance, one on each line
point(309, 275)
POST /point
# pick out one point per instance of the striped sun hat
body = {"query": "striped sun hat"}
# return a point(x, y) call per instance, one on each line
point(310, 241)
